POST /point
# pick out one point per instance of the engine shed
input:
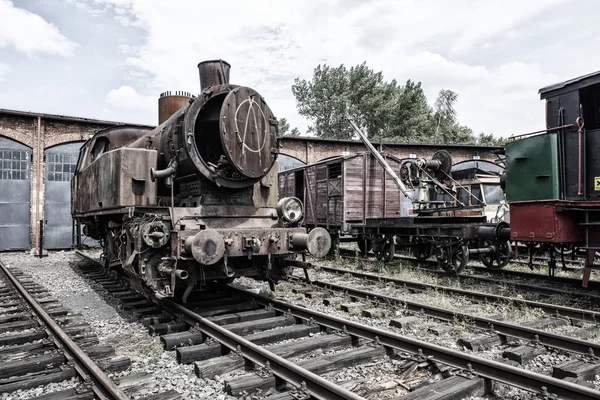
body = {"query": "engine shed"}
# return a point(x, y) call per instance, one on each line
point(38, 153)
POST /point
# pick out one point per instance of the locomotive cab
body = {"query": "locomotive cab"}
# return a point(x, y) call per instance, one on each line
point(553, 176)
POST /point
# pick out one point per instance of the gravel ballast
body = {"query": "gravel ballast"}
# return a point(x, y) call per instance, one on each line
point(113, 326)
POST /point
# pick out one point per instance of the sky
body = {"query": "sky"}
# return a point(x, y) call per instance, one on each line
point(110, 59)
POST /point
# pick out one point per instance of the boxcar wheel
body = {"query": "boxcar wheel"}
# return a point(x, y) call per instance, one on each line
point(499, 259)
point(422, 250)
point(387, 251)
point(458, 261)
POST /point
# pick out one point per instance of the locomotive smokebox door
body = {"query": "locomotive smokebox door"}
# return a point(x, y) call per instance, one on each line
point(249, 132)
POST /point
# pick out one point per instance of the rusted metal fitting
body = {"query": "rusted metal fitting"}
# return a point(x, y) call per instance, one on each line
point(317, 242)
point(206, 246)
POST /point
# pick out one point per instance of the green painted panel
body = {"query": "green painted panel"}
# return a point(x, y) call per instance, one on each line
point(532, 168)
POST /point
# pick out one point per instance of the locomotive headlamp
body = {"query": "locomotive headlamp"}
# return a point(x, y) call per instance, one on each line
point(290, 209)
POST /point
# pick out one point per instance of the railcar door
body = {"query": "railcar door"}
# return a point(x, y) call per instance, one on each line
point(15, 181)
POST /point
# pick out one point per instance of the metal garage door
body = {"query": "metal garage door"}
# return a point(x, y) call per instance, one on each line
point(60, 166)
point(15, 175)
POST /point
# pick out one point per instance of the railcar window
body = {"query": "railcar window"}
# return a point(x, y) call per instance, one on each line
point(493, 193)
point(334, 170)
point(476, 198)
point(442, 196)
point(14, 164)
point(463, 196)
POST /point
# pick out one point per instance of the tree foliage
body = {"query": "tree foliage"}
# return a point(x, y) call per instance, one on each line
point(284, 128)
point(384, 110)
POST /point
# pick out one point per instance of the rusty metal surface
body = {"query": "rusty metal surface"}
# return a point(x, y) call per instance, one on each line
point(249, 132)
point(171, 102)
point(213, 73)
point(118, 178)
point(540, 222)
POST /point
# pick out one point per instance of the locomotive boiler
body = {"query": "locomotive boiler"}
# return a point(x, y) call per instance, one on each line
point(195, 200)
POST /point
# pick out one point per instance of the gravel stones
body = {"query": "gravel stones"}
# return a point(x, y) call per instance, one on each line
point(114, 326)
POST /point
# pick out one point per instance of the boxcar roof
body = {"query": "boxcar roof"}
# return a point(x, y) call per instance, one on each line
point(337, 158)
point(570, 85)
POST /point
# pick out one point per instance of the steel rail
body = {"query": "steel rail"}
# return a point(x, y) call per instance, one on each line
point(318, 387)
point(504, 328)
point(510, 272)
point(556, 310)
point(523, 379)
point(103, 387)
point(520, 285)
point(532, 275)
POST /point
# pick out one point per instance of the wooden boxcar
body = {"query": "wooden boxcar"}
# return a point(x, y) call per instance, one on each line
point(345, 190)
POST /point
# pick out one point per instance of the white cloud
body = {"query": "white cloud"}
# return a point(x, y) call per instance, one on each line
point(475, 48)
point(29, 33)
point(128, 98)
point(4, 70)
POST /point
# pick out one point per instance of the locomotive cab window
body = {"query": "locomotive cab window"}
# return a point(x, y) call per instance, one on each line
point(590, 102)
point(100, 147)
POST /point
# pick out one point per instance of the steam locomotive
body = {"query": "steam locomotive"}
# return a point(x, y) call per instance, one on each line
point(195, 200)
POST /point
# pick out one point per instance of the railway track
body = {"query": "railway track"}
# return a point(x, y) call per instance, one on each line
point(539, 335)
point(524, 281)
point(553, 310)
point(207, 333)
point(221, 333)
point(43, 343)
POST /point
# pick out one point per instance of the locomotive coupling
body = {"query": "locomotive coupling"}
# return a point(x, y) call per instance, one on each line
point(317, 242)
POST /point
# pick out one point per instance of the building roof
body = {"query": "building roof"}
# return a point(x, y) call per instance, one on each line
point(386, 143)
point(82, 120)
point(67, 118)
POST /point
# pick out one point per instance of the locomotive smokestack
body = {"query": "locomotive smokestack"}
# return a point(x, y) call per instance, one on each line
point(213, 73)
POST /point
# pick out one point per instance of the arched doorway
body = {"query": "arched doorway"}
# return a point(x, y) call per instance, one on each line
point(15, 199)
point(60, 162)
point(286, 162)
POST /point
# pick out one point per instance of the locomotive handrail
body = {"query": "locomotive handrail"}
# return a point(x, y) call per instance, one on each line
point(542, 131)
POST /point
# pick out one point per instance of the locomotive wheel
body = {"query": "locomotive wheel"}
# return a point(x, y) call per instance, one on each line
point(498, 260)
point(422, 250)
point(364, 245)
point(386, 251)
point(458, 261)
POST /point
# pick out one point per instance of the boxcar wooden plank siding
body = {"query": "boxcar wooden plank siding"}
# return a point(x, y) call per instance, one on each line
point(345, 189)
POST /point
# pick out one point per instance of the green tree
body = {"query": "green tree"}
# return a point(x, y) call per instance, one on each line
point(284, 128)
point(490, 139)
point(335, 90)
point(384, 110)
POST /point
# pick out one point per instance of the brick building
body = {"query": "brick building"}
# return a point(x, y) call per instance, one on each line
point(38, 153)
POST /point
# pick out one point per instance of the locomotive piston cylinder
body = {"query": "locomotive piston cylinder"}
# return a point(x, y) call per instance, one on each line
point(499, 232)
point(317, 242)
